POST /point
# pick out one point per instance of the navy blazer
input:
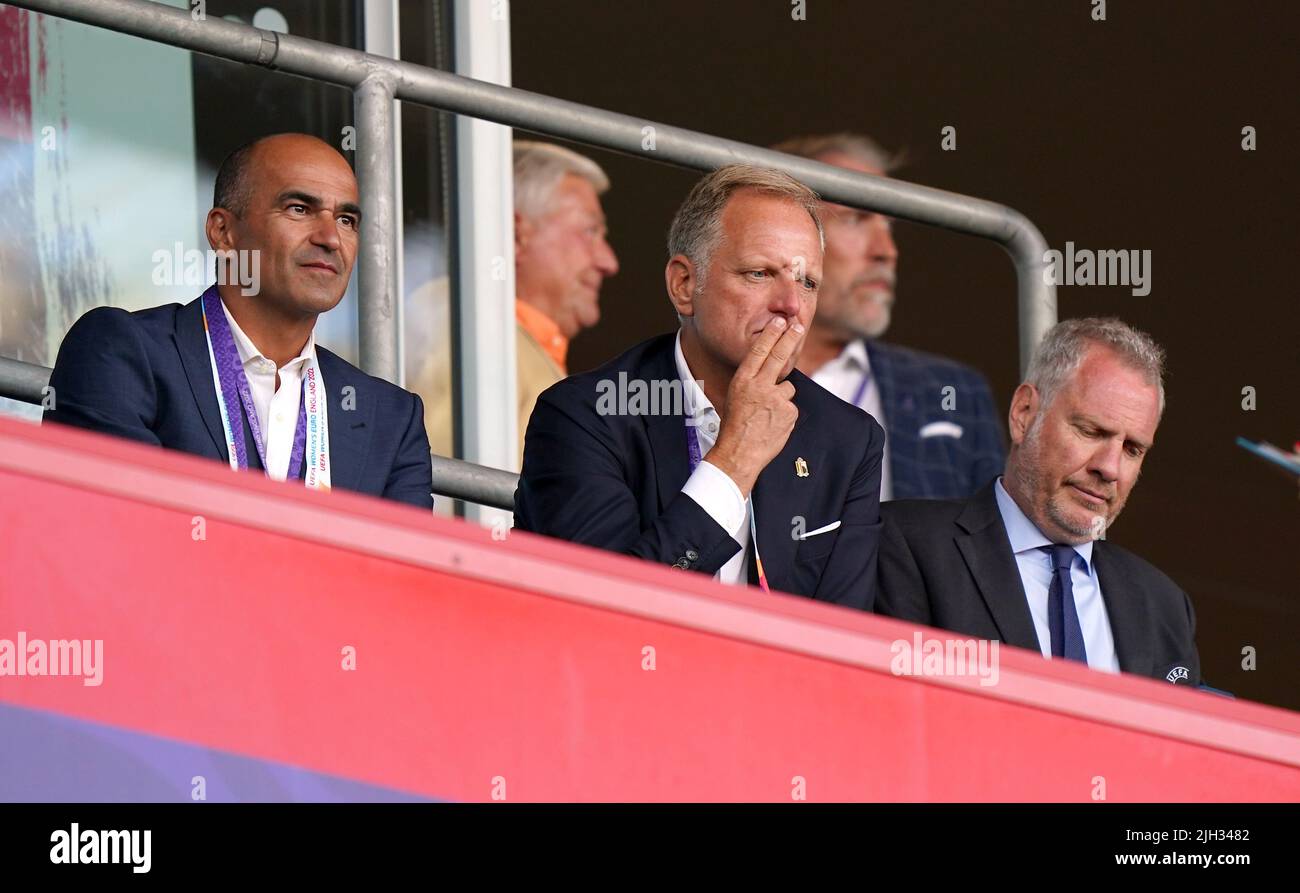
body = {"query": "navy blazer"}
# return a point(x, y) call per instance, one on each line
point(949, 564)
point(929, 460)
point(146, 376)
point(614, 481)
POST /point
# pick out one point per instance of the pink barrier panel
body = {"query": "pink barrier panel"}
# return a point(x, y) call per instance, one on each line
point(230, 608)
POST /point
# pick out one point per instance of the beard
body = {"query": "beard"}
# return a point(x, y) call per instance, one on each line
point(1030, 479)
point(870, 317)
point(877, 325)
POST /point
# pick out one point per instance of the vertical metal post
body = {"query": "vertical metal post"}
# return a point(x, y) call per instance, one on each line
point(1036, 304)
point(382, 30)
point(485, 227)
point(377, 298)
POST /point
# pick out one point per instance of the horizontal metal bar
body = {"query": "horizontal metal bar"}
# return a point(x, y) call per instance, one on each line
point(21, 381)
point(474, 483)
point(451, 477)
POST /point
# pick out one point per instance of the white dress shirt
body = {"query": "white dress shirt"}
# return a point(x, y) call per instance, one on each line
point(277, 409)
point(1036, 576)
point(842, 376)
point(711, 487)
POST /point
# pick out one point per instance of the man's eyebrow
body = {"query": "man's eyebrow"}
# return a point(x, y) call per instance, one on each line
point(315, 201)
point(296, 195)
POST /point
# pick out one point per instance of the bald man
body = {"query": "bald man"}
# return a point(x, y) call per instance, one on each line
point(236, 374)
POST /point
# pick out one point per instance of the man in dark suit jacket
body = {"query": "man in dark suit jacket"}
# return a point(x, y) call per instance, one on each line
point(1022, 561)
point(685, 447)
point(944, 440)
point(148, 376)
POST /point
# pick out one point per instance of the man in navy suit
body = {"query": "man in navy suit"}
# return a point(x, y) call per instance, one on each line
point(705, 450)
point(943, 437)
point(236, 375)
point(1023, 561)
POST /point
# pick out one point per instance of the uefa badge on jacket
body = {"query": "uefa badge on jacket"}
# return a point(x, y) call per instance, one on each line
point(801, 467)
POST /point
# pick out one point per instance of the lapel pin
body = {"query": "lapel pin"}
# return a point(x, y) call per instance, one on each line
point(801, 467)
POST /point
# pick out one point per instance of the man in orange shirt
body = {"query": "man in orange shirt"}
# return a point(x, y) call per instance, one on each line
point(561, 260)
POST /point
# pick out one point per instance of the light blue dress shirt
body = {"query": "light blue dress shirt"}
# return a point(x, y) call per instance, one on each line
point(1036, 576)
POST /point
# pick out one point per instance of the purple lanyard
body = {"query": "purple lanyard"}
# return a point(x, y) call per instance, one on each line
point(862, 389)
point(230, 371)
point(693, 446)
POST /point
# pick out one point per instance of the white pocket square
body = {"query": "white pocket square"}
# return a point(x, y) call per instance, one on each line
point(941, 429)
point(827, 529)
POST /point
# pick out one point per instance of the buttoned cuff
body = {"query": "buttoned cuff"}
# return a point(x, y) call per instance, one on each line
point(715, 492)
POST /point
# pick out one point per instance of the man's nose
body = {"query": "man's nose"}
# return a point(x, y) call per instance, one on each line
point(606, 260)
point(787, 297)
point(880, 246)
point(1106, 459)
point(326, 232)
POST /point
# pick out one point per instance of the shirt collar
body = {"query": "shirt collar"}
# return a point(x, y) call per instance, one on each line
point(855, 354)
point(1023, 533)
point(248, 352)
point(852, 360)
point(698, 404)
point(544, 331)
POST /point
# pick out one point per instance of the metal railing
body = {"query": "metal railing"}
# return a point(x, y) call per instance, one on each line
point(376, 81)
point(26, 382)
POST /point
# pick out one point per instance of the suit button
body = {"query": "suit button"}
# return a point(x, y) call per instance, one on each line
point(692, 555)
point(681, 564)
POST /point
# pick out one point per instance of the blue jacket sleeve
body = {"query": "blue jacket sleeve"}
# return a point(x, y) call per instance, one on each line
point(411, 477)
point(102, 380)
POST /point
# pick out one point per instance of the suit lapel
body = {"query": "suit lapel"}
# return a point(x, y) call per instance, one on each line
point(899, 408)
point(882, 370)
point(984, 545)
point(192, 345)
point(1126, 608)
point(351, 425)
point(780, 497)
point(666, 431)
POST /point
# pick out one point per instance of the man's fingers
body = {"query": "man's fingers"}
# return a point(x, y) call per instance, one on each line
point(784, 348)
point(786, 389)
point(758, 351)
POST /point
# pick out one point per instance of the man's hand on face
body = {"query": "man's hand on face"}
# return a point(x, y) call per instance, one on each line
point(760, 412)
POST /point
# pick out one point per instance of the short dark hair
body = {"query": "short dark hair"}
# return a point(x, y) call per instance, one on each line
point(234, 189)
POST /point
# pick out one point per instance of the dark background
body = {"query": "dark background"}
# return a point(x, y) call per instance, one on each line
point(1122, 134)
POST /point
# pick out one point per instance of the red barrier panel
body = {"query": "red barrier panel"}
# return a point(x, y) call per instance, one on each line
point(536, 670)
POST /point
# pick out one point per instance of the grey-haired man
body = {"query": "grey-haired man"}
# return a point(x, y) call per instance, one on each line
point(1023, 561)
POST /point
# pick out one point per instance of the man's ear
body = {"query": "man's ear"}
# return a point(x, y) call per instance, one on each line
point(523, 232)
point(220, 229)
point(680, 277)
point(1024, 406)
